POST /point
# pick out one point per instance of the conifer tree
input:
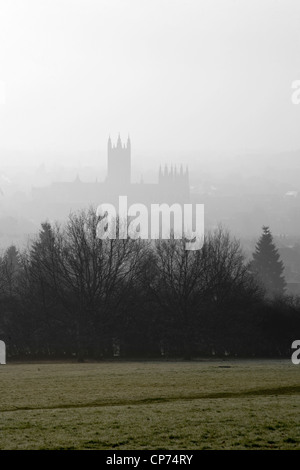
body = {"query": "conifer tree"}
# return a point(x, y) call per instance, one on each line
point(267, 265)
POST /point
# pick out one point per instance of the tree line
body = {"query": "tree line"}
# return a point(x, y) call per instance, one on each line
point(72, 295)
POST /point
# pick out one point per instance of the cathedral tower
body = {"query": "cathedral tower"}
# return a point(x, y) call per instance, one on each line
point(119, 163)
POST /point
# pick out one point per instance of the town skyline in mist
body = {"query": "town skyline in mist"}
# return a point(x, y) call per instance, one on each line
point(184, 79)
point(204, 84)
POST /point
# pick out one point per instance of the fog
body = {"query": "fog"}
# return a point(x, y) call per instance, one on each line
point(186, 79)
point(203, 83)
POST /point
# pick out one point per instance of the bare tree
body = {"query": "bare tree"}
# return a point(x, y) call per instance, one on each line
point(184, 282)
point(91, 278)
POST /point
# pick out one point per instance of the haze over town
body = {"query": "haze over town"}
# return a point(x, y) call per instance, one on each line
point(204, 84)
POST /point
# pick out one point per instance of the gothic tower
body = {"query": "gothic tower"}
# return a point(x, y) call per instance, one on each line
point(174, 183)
point(119, 163)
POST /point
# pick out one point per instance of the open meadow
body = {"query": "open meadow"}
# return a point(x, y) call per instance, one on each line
point(232, 404)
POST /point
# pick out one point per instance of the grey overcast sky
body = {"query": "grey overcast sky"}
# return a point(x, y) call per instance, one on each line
point(178, 75)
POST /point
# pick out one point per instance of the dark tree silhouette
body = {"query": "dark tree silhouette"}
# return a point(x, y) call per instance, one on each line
point(80, 281)
point(9, 270)
point(70, 294)
point(185, 283)
point(267, 265)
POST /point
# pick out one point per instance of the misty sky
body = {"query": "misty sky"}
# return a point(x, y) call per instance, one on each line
point(178, 75)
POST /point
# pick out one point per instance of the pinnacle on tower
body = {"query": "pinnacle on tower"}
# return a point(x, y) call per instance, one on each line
point(119, 142)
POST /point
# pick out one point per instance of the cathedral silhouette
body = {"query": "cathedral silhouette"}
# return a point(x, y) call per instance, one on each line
point(62, 197)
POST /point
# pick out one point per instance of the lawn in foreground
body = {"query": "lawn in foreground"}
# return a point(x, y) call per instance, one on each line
point(150, 405)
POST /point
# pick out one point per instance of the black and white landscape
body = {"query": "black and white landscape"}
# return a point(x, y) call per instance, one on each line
point(164, 103)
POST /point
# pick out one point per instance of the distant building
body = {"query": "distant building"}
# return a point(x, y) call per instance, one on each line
point(59, 198)
point(119, 164)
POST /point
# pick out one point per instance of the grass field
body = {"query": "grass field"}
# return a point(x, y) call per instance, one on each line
point(150, 405)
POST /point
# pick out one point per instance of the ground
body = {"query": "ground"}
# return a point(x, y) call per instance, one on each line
point(151, 405)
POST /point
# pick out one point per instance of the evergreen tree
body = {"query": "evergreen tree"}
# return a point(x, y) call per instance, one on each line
point(267, 265)
point(9, 270)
